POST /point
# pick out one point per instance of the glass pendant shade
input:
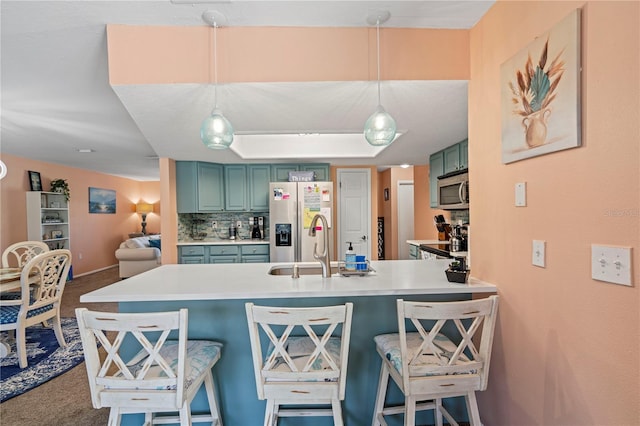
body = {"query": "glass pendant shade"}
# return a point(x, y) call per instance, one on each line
point(216, 131)
point(380, 128)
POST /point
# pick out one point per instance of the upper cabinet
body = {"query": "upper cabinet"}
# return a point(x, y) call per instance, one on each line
point(280, 172)
point(446, 161)
point(199, 187)
point(209, 187)
point(259, 176)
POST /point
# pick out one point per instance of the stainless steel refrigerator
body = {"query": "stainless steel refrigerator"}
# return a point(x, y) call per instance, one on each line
point(292, 206)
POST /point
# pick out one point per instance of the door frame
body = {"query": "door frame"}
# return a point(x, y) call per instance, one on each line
point(399, 205)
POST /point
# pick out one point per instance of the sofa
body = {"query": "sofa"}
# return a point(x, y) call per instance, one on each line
point(137, 255)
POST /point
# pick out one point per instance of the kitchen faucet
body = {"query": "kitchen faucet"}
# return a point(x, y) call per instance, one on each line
point(323, 258)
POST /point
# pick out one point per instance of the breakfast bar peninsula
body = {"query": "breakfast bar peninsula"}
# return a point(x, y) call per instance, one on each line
point(215, 296)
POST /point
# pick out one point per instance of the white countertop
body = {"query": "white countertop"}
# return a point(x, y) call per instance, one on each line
point(418, 242)
point(219, 242)
point(252, 281)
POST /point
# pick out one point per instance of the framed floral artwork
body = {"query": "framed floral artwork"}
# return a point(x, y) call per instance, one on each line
point(540, 94)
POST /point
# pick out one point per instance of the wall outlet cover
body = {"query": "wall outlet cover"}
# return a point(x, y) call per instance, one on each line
point(538, 253)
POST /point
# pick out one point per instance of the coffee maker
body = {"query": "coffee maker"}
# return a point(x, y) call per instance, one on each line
point(257, 229)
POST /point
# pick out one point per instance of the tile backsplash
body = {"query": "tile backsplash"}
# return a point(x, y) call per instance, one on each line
point(189, 223)
point(457, 215)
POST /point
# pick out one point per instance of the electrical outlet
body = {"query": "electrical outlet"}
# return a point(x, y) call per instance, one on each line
point(521, 194)
point(611, 264)
point(80, 256)
point(214, 225)
point(538, 253)
point(239, 224)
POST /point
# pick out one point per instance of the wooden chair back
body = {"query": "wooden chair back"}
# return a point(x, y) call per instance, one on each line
point(43, 279)
point(114, 381)
point(472, 321)
point(18, 254)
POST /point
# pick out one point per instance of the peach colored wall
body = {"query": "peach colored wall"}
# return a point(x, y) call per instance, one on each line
point(156, 55)
point(384, 210)
point(170, 207)
point(94, 237)
point(389, 179)
point(566, 346)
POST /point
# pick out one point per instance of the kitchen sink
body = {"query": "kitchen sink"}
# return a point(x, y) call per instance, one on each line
point(303, 269)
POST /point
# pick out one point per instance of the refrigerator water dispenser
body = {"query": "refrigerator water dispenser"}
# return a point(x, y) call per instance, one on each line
point(283, 234)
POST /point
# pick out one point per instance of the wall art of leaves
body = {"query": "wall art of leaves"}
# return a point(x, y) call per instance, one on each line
point(540, 94)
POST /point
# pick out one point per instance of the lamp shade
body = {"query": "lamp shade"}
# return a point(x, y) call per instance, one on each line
point(144, 208)
point(216, 131)
point(380, 128)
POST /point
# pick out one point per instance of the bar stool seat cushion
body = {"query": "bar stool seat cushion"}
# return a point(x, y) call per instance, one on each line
point(389, 345)
point(300, 349)
point(201, 354)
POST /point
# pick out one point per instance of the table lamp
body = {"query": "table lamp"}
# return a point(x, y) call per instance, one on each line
point(144, 209)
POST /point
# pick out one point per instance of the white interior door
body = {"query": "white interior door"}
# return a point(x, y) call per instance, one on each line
point(354, 211)
point(405, 217)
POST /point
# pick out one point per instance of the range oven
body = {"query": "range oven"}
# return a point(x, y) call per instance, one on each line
point(453, 190)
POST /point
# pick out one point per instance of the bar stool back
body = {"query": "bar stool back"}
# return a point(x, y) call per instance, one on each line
point(308, 367)
point(164, 376)
point(428, 366)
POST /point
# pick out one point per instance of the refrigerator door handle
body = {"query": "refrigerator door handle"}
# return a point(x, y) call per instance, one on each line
point(299, 230)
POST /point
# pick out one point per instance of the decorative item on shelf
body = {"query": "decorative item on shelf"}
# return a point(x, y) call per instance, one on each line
point(144, 209)
point(3, 169)
point(457, 271)
point(216, 131)
point(52, 218)
point(35, 184)
point(60, 186)
point(380, 128)
point(56, 234)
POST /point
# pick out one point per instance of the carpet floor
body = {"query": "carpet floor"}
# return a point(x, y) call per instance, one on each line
point(64, 400)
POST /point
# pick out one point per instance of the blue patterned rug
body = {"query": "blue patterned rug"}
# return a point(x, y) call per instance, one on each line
point(46, 359)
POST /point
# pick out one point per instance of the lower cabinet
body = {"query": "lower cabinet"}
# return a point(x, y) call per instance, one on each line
point(191, 254)
point(414, 252)
point(227, 253)
point(254, 253)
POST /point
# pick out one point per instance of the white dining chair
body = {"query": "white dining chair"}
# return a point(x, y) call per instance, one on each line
point(436, 361)
point(303, 362)
point(42, 283)
point(162, 377)
point(18, 254)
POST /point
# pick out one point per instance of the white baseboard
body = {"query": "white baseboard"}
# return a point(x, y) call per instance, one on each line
point(95, 270)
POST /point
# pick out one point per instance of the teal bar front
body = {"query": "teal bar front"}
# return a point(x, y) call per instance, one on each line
point(225, 321)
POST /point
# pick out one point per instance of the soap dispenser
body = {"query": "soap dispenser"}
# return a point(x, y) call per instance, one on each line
point(350, 258)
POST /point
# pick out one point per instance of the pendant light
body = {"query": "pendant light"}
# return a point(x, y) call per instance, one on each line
point(216, 131)
point(380, 128)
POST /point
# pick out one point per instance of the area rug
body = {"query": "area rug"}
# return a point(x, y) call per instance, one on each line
point(46, 359)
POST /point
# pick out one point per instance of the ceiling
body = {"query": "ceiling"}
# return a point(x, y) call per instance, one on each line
point(56, 98)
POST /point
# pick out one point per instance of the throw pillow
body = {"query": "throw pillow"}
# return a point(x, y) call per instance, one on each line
point(155, 243)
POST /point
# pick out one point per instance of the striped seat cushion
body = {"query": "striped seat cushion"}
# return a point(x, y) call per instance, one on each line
point(300, 349)
point(389, 344)
point(201, 354)
point(9, 314)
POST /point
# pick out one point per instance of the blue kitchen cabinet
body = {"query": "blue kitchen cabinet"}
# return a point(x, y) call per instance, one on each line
point(450, 159)
point(436, 168)
point(224, 254)
point(210, 187)
point(464, 154)
point(191, 254)
point(280, 172)
point(254, 253)
point(321, 171)
point(187, 186)
point(259, 176)
point(235, 185)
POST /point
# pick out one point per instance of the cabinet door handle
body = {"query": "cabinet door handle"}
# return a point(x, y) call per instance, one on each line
point(254, 250)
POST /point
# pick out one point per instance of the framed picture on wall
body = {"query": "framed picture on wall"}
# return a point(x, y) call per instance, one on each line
point(540, 94)
point(34, 181)
point(102, 201)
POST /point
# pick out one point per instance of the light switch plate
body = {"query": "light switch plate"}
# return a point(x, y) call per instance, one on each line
point(521, 194)
point(611, 264)
point(538, 249)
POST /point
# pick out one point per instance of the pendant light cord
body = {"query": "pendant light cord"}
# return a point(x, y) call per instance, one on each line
point(378, 55)
point(215, 65)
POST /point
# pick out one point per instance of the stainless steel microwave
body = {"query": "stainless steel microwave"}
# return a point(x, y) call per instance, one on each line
point(453, 190)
